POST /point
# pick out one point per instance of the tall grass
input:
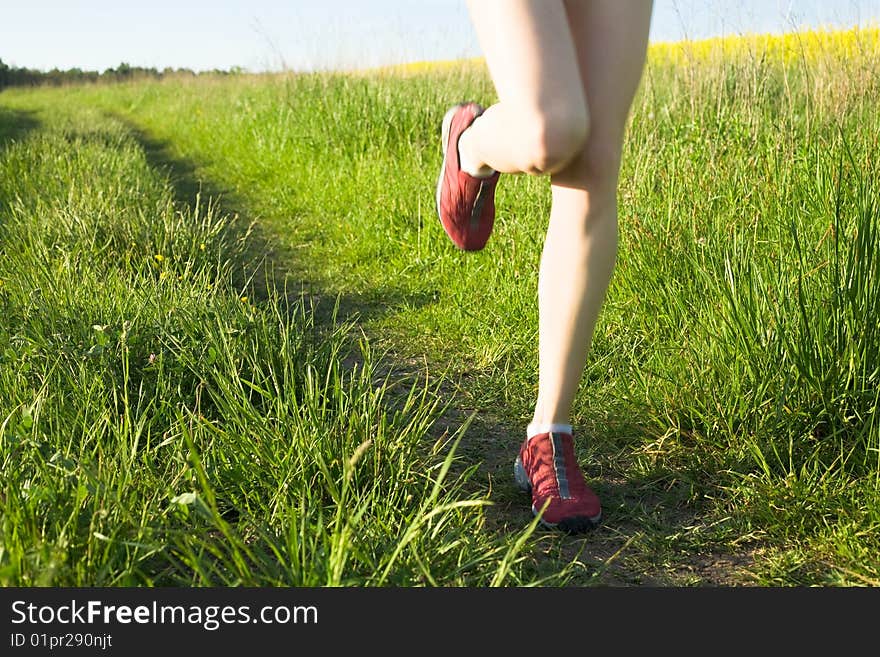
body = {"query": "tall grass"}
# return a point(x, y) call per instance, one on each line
point(159, 426)
point(728, 413)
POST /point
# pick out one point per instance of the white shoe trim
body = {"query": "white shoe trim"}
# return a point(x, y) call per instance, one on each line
point(535, 428)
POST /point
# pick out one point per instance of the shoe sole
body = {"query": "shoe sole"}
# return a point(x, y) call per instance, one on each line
point(573, 525)
point(444, 139)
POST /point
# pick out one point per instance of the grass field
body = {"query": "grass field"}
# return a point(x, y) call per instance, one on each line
point(238, 348)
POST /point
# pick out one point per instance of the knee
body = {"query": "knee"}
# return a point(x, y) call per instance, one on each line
point(595, 168)
point(553, 137)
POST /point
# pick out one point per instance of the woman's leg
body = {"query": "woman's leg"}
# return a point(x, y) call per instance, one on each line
point(554, 64)
point(538, 125)
point(540, 121)
point(565, 73)
point(611, 39)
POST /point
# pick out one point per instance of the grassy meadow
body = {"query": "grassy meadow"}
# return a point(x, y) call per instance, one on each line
point(237, 348)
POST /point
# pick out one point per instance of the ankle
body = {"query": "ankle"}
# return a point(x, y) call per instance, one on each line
point(536, 428)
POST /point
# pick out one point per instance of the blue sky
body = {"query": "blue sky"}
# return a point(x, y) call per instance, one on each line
point(335, 34)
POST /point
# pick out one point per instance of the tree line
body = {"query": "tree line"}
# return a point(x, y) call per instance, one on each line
point(11, 76)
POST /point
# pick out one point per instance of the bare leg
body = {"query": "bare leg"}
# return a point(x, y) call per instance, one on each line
point(540, 121)
point(550, 61)
point(581, 244)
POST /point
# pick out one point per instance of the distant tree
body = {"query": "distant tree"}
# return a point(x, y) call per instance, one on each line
point(19, 76)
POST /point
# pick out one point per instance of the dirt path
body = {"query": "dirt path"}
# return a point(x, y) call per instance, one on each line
point(643, 540)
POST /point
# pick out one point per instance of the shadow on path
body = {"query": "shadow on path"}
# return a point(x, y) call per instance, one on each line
point(15, 124)
point(269, 265)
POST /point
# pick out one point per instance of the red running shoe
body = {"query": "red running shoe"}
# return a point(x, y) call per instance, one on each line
point(547, 467)
point(465, 203)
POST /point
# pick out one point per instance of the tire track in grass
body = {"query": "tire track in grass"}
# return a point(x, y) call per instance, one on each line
point(277, 267)
point(199, 438)
point(617, 554)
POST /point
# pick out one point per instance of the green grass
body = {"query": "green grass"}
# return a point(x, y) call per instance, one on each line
point(163, 426)
point(728, 415)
